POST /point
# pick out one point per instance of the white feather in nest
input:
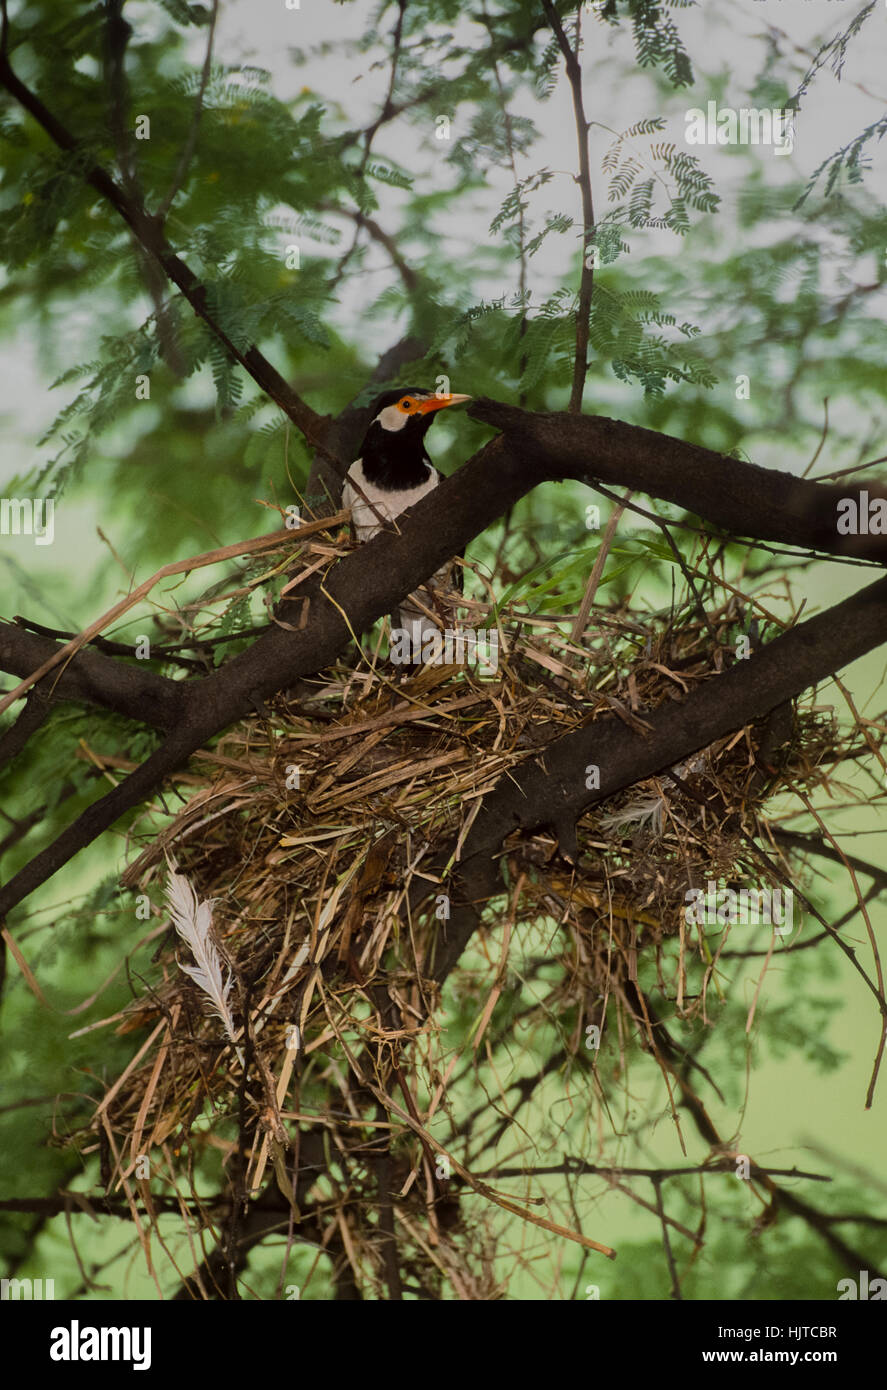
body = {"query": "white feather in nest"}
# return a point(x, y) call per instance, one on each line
point(193, 922)
point(651, 809)
point(637, 813)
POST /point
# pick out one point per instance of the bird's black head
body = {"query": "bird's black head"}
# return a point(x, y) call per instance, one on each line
point(393, 449)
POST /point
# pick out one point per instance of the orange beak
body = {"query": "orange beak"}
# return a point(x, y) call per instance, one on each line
point(438, 403)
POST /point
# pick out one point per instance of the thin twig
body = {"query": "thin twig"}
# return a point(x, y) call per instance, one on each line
point(586, 279)
point(597, 570)
point(190, 144)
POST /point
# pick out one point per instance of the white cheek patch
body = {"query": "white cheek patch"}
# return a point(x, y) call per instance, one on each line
point(391, 418)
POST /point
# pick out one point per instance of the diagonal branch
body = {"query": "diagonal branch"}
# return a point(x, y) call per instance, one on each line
point(148, 231)
point(551, 790)
point(404, 269)
point(29, 721)
point(366, 584)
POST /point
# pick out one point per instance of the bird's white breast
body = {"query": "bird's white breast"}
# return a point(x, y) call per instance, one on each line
point(366, 514)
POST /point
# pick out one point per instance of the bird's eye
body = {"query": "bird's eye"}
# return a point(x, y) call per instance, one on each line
point(407, 403)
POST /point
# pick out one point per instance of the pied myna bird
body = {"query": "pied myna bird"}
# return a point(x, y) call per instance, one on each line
point(392, 472)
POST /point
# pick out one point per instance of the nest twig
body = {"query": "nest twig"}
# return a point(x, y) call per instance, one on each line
point(313, 830)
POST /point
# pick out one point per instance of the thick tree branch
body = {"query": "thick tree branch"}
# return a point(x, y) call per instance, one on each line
point(551, 789)
point(99, 816)
point(367, 584)
point(140, 591)
point(742, 498)
point(28, 722)
point(327, 610)
point(100, 680)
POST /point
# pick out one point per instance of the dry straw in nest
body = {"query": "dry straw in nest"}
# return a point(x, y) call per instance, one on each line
point(313, 830)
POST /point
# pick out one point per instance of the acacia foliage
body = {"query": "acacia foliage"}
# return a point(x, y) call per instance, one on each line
point(267, 173)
